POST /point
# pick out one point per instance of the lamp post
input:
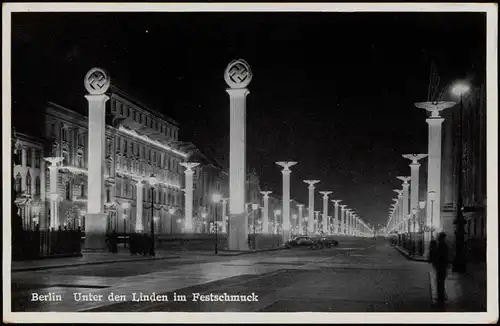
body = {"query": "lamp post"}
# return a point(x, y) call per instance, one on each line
point(277, 213)
point(171, 212)
point(421, 205)
point(255, 209)
point(152, 182)
point(432, 197)
point(125, 205)
point(216, 198)
point(459, 264)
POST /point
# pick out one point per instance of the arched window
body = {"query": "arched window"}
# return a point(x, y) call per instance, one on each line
point(28, 183)
point(19, 180)
point(37, 185)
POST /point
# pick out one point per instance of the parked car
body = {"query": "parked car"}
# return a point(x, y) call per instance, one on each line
point(301, 241)
point(328, 242)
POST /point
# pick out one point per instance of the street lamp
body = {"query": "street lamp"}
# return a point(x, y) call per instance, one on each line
point(216, 198)
point(204, 216)
point(125, 206)
point(459, 89)
point(171, 212)
point(152, 182)
point(432, 198)
point(255, 208)
point(277, 213)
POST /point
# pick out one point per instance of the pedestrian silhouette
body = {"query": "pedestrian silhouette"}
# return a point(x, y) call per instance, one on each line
point(439, 259)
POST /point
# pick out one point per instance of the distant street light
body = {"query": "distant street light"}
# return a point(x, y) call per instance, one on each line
point(216, 198)
point(152, 182)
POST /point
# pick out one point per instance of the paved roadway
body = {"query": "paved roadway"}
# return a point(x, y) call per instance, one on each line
point(358, 276)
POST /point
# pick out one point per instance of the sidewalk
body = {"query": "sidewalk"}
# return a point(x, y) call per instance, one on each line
point(88, 258)
point(465, 292)
point(407, 254)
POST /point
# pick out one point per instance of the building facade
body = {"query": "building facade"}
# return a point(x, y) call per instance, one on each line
point(473, 174)
point(28, 179)
point(140, 143)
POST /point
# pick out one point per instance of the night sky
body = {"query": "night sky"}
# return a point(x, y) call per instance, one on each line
point(333, 91)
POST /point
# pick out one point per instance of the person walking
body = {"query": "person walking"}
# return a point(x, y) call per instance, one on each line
point(439, 259)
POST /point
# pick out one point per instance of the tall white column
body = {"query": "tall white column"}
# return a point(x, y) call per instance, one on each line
point(325, 210)
point(96, 82)
point(300, 218)
point(310, 220)
point(342, 219)
point(434, 159)
point(265, 217)
point(237, 75)
point(139, 226)
point(224, 215)
point(406, 210)
point(414, 188)
point(188, 203)
point(316, 221)
point(24, 161)
point(336, 215)
point(54, 193)
point(286, 198)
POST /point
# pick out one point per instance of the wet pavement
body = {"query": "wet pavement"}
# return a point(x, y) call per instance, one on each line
point(363, 275)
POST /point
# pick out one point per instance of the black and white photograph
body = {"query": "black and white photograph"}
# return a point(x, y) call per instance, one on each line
point(328, 162)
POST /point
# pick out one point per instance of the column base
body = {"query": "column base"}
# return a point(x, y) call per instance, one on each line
point(95, 231)
point(238, 233)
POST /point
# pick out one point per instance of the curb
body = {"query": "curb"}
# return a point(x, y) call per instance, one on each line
point(250, 251)
point(408, 256)
point(27, 269)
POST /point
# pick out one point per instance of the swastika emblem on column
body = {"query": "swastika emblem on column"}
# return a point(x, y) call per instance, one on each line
point(238, 74)
point(97, 81)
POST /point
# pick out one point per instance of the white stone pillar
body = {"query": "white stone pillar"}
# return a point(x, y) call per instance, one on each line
point(96, 82)
point(265, 216)
point(342, 219)
point(139, 226)
point(224, 215)
point(300, 218)
point(237, 75)
point(188, 203)
point(54, 194)
point(316, 221)
point(406, 210)
point(336, 215)
point(325, 210)
point(434, 159)
point(310, 220)
point(286, 198)
point(414, 188)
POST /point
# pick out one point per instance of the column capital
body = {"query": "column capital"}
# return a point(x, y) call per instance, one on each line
point(53, 161)
point(266, 194)
point(238, 92)
point(286, 166)
point(434, 121)
point(97, 98)
point(336, 202)
point(414, 158)
point(343, 207)
point(435, 107)
point(404, 179)
point(300, 206)
point(398, 191)
point(311, 183)
point(189, 166)
point(325, 194)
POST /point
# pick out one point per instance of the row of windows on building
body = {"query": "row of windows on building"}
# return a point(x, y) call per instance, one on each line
point(19, 182)
point(64, 134)
point(125, 189)
point(145, 119)
point(131, 148)
point(29, 158)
